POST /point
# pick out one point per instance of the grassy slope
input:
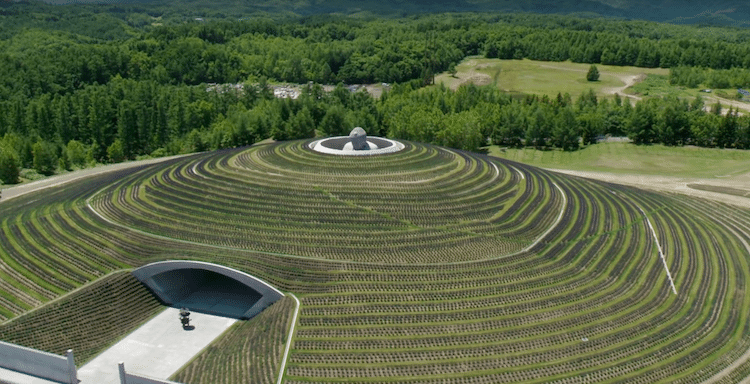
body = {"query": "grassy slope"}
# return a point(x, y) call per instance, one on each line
point(630, 158)
point(250, 351)
point(58, 326)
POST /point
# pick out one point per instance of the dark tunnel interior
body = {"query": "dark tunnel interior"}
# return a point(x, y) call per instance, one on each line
point(206, 291)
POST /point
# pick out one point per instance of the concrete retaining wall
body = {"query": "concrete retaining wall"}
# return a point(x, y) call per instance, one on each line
point(127, 378)
point(39, 363)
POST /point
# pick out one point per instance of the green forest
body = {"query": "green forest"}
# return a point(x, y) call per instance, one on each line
point(90, 84)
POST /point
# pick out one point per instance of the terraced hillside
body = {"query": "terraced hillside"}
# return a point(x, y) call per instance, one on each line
point(428, 265)
point(421, 205)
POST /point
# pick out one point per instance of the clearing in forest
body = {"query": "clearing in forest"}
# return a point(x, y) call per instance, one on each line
point(545, 77)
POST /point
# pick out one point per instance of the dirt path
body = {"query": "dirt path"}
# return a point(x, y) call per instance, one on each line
point(54, 181)
point(677, 184)
point(629, 81)
point(727, 103)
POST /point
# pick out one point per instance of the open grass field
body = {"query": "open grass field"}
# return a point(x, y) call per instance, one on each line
point(429, 265)
point(545, 77)
point(623, 157)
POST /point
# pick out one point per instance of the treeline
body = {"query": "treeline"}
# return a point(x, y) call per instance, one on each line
point(68, 100)
point(126, 119)
point(338, 49)
point(119, 19)
point(692, 77)
point(472, 115)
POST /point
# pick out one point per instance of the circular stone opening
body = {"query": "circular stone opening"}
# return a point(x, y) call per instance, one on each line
point(356, 144)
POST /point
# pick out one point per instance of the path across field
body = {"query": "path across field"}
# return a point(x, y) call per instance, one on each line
point(58, 180)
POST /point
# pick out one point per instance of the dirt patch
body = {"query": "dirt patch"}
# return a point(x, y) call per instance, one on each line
point(683, 185)
point(721, 189)
point(725, 103)
point(480, 79)
point(629, 81)
point(471, 77)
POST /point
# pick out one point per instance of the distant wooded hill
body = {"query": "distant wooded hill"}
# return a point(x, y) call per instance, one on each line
point(722, 12)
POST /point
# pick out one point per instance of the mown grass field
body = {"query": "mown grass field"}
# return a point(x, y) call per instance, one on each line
point(623, 157)
point(429, 265)
point(543, 77)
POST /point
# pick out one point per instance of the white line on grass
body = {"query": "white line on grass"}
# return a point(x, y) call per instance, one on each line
point(553, 226)
point(519, 173)
point(289, 340)
point(658, 246)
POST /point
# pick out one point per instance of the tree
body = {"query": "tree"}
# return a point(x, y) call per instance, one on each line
point(539, 128)
point(565, 131)
point(115, 152)
point(76, 153)
point(727, 132)
point(45, 157)
point(704, 128)
point(452, 70)
point(9, 171)
point(510, 130)
point(302, 125)
point(461, 130)
point(127, 129)
point(590, 125)
point(334, 122)
point(671, 123)
point(592, 74)
point(743, 134)
point(640, 124)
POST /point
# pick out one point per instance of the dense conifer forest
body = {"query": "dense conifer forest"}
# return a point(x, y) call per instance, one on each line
point(106, 83)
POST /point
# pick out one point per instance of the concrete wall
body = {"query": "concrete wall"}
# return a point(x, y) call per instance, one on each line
point(170, 291)
point(39, 363)
point(127, 378)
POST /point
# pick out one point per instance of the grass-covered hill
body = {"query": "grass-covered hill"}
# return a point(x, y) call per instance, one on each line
point(429, 265)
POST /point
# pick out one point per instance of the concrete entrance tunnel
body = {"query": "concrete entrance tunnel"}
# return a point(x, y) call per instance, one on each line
point(207, 288)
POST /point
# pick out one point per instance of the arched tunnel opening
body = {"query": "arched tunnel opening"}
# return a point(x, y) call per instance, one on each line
point(207, 288)
point(207, 291)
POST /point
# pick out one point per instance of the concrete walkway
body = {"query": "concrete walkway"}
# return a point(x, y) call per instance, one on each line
point(14, 377)
point(157, 349)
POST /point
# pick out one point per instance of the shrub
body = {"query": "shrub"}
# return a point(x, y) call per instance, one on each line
point(592, 74)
